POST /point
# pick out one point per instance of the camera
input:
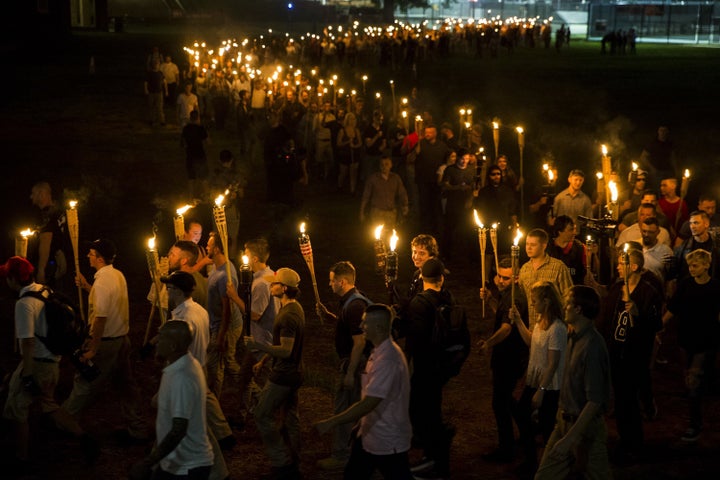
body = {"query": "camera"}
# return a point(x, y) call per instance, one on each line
point(599, 226)
point(87, 369)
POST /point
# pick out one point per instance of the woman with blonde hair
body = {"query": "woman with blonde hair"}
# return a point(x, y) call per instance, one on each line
point(349, 145)
point(547, 341)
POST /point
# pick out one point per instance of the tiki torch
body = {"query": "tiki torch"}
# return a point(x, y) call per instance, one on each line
point(307, 253)
point(391, 266)
point(380, 251)
point(521, 148)
point(683, 191)
point(245, 291)
point(626, 262)
point(515, 256)
point(496, 135)
point(613, 209)
point(589, 242)
point(179, 222)
point(493, 240)
point(153, 263)
point(71, 215)
point(21, 243)
point(482, 240)
point(606, 169)
point(221, 224)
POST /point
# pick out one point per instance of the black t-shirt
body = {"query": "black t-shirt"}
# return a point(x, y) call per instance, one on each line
point(290, 322)
point(697, 308)
point(511, 355)
point(154, 81)
point(349, 319)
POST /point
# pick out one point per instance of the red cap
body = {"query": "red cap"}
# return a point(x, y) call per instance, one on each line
point(18, 268)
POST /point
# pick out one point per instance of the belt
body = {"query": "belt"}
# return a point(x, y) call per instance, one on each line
point(44, 360)
point(108, 339)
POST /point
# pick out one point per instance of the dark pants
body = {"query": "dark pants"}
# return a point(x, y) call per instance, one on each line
point(626, 375)
point(198, 473)
point(429, 431)
point(362, 464)
point(546, 419)
point(504, 405)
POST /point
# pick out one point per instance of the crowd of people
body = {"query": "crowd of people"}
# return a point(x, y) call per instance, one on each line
point(573, 335)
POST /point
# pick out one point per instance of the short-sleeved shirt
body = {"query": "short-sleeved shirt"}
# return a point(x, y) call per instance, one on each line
point(542, 341)
point(109, 298)
point(387, 429)
point(217, 290)
point(154, 81)
point(30, 321)
point(586, 377)
point(289, 323)
point(566, 204)
point(197, 317)
point(551, 270)
point(511, 355)
point(182, 395)
point(265, 305)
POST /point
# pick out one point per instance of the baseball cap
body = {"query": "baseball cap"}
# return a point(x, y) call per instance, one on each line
point(433, 268)
point(106, 249)
point(182, 280)
point(286, 276)
point(17, 267)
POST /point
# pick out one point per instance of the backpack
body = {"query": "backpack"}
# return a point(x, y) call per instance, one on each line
point(66, 331)
point(355, 296)
point(450, 335)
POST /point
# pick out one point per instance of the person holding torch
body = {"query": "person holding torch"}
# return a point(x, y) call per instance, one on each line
point(509, 358)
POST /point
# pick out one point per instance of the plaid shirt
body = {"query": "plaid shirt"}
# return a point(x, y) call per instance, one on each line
point(551, 270)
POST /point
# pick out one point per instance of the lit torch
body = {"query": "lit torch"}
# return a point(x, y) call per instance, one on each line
point(307, 253)
point(493, 241)
point(221, 224)
point(496, 135)
point(515, 256)
point(613, 205)
point(153, 262)
point(391, 266)
point(73, 224)
point(482, 240)
point(179, 222)
point(380, 252)
point(21, 243)
point(245, 290)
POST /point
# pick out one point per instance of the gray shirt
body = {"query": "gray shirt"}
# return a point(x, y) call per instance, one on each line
point(587, 372)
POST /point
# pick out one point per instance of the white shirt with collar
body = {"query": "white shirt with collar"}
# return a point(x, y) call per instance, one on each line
point(109, 298)
point(197, 317)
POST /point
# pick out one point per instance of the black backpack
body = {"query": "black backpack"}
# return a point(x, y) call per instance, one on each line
point(450, 336)
point(66, 331)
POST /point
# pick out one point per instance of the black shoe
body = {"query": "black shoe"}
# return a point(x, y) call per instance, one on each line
point(498, 456)
point(227, 443)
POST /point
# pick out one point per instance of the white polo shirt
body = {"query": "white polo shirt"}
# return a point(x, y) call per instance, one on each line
point(30, 321)
point(191, 312)
point(109, 298)
point(182, 395)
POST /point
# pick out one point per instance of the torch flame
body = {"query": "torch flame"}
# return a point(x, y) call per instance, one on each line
point(219, 200)
point(520, 130)
point(599, 175)
point(378, 231)
point(634, 166)
point(626, 247)
point(151, 244)
point(245, 260)
point(477, 219)
point(604, 150)
point(589, 239)
point(496, 125)
point(182, 210)
point(518, 236)
point(687, 173)
point(546, 167)
point(613, 191)
point(393, 241)
point(26, 233)
point(551, 175)
point(494, 226)
point(302, 227)
point(73, 203)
